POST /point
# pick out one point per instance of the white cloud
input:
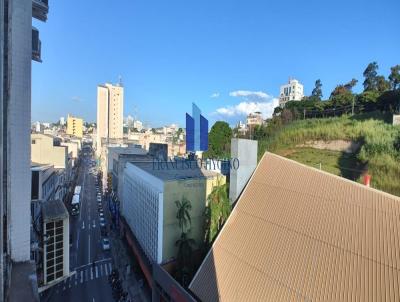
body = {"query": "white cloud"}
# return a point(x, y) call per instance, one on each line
point(250, 94)
point(76, 99)
point(244, 108)
point(214, 95)
point(252, 101)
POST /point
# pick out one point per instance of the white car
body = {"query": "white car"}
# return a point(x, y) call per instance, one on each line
point(98, 198)
point(106, 244)
point(101, 214)
point(102, 222)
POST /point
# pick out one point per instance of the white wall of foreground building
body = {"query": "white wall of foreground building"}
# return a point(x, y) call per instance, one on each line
point(19, 117)
point(142, 205)
point(245, 150)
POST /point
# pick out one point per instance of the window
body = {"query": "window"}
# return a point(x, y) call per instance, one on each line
point(50, 278)
point(33, 142)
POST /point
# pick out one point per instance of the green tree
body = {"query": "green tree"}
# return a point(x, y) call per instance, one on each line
point(219, 140)
point(287, 116)
point(183, 214)
point(216, 213)
point(382, 84)
point(342, 95)
point(175, 138)
point(370, 74)
point(368, 99)
point(394, 77)
point(316, 93)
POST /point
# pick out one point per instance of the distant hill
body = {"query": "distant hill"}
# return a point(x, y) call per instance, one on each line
point(346, 146)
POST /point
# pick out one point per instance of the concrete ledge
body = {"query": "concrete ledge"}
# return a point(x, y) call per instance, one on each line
point(23, 282)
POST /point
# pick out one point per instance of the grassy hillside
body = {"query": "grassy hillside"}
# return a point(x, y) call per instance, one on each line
point(379, 154)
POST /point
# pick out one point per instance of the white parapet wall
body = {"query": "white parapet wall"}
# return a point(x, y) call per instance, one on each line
point(245, 151)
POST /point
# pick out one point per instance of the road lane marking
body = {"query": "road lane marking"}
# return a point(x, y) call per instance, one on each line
point(97, 272)
point(91, 273)
point(81, 276)
point(97, 262)
point(106, 270)
point(86, 275)
point(83, 225)
point(101, 270)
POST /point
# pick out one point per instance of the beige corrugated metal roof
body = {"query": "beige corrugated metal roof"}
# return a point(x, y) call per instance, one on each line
point(300, 234)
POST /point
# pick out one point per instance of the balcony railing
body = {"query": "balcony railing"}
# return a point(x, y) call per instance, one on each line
point(36, 45)
point(40, 9)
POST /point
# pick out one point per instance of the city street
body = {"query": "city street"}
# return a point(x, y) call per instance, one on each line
point(87, 282)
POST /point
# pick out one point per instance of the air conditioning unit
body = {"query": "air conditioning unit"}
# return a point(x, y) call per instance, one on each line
point(36, 45)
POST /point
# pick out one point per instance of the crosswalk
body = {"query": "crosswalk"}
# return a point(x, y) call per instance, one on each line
point(85, 274)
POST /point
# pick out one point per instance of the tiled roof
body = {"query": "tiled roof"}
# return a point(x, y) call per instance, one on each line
point(300, 234)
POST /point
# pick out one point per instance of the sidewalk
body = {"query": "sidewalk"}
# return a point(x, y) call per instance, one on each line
point(123, 262)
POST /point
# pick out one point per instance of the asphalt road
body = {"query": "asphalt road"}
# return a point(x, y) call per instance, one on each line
point(87, 283)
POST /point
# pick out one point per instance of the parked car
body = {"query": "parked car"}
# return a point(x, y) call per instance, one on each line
point(102, 222)
point(98, 199)
point(101, 214)
point(106, 244)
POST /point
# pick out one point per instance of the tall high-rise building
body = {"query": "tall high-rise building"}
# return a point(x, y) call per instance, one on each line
point(62, 121)
point(110, 109)
point(74, 126)
point(196, 131)
point(292, 91)
point(19, 44)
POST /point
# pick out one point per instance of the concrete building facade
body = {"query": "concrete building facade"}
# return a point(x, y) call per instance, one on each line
point(45, 151)
point(149, 205)
point(19, 44)
point(292, 91)
point(75, 126)
point(55, 219)
point(254, 119)
point(110, 109)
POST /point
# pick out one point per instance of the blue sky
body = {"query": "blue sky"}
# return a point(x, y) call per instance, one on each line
point(227, 56)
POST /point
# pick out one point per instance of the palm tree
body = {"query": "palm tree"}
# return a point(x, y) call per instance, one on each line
point(184, 243)
point(184, 206)
point(185, 250)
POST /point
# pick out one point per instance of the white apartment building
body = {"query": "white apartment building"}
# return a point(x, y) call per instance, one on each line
point(292, 91)
point(138, 125)
point(19, 45)
point(110, 109)
point(254, 119)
